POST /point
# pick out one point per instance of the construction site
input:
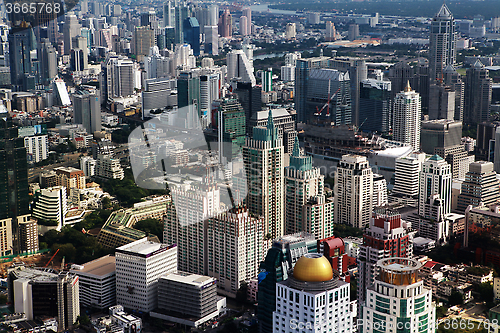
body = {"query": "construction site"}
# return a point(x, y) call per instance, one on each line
point(44, 259)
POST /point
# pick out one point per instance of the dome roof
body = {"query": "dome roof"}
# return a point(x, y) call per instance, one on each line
point(313, 267)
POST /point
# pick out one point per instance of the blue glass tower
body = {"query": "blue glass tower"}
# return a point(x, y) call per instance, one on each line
point(192, 34)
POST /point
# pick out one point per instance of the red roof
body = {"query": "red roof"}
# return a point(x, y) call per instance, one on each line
point(431, 264)
point(79, 138)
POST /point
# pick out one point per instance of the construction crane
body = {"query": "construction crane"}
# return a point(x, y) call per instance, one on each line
point(327, 104)
point(48, 262)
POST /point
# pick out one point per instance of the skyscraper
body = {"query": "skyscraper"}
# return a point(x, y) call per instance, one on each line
point(454, 80)
point(441, 102)
point(331, 33)
point(263, 158)
point(442, 48)
point(169, 13)
point(306, 208)
point(23, 68)
point(375, 106)
point(477, 96)
point(238, 66)
point(119, 75)
point(480, 186)
point(267, 80)
point(188, 86)
point(435, 178)
point(143, 40)
point(354, 191)
point(385, 237)
point(229, 120)
point(226, 24)
point(407, 117)
point(243, 26)
point(87, 110)
point(48, 62)
point(250, 99)
point(211, 39)
point(247, 12)
point(182, 12)
point(290, 31)
point(70, 30)
point(407, 175)
point(192, 34)
point(353, 32)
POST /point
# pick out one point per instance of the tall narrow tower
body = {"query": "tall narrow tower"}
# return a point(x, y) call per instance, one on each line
point(263, 158)
point(435, 178)
point(407, 117)
point(442, 48)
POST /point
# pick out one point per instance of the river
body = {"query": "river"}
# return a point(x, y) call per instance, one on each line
point(265, 8)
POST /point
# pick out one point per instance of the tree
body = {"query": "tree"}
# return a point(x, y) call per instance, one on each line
point(241, 294)
point(83, 319)
point(486, 291)
point(3, 299)
point(106, 203)
point(456, 298)
point(151, 226)
point(441, 311)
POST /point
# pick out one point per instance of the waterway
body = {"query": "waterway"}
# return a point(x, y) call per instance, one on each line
point(265, 8)
point(270, 55)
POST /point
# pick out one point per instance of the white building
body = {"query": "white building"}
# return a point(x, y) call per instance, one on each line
point(435, 178)
point(87, 165)
point(496, 289)
point(290, 31)
point(239, 66)
point(354, 197)
point(313, 299)
point(379, 191)
point(97, 282)
point(288, 73)
point(407, 117)
point(52, 204)
point(37, 147)
point(434, 224)
point(407, 174)
point(235, 244)
point(120, 77)
point(398, 301)
point(107, 167)
point(139, 265)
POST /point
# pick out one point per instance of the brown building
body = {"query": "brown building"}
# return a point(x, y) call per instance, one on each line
point(28, 235)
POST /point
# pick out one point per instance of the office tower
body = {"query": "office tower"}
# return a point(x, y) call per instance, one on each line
point(28, 235)
point(477, 95)
point(71, 29)
point(302, 71)
point(398, 298)
point(157, 94)
point(435, 178)
point(407, 117)
point(235, 244)
point(148, 18)
point(87, 110)
point(288, 73)
point(354, 197)
point(407, 174)
point(442, 48)
point(78, 60)
point(331, 33)
point(182, 12)
point(229, 121)
point(169, 14)
point(434, 224)
point(306, 208)
point(441, 102)
point(284, 120)
point(353, 32)
point(157, 66)
point(48, 62)
point(210, 83)
point(418, 76)
point(247, 12)
point(192, 34)
point(97, 282)
point(440, 134)
point(313, 18)
point(480, 186)
point(37, 147)
point(243, 26)
point(211, 39)
point(238, 66)
point(226, 24)
point(119, 77)
point(290, 31)
point(139, 265)
point(250, 99)
point(213, 16)
point(454, 80)
point(328, 97)
point(385, 237)
point(263, 158)
point(379, 191)
point(267, 80)
point(375, 106)
point(313, 290)
point(143, 40)
point(38, 293)
point(23, 67)
point(188, 87)
point(52, 205)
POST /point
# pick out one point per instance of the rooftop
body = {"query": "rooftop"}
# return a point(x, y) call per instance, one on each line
point(191, 279)
point(99, 267)
point(141, 246)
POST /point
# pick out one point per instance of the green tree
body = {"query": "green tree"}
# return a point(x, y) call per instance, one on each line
point(241, 294)
point(151, 226)
point(3, 299)
point(441, 311)
point(456, 298)
point(106, 203)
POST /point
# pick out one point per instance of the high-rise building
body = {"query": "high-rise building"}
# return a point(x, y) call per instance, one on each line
point(353, 33)
point(334, 249)
point(226, 25)
point(243, 26)
point(385, 237)
point(354, 197)
point(267, 80)
point(418, 76)
point(37, 147)
point(407, 117)
point(235, 244)
point(306, 208)
point(313, 291)
point(440, 134)
point(331, 33)
point(454, 80)
point(192, 34)
point(375, 106)
point(398, 299)
point(210, 83)
point(71, 28)
point(328, 97)
point(441, 102)
point(139, 265)
point(108, 168)
point(23, 67)
point(434, 224)
point(87, 110)
point(181, 13)
point(211, 39)
point(169, 13)
point(229, 120)
point(188, 87)
point(435, 178)
point(379, 191)
point(290, 31)
point(480, 186)
point(263, 158)
point(238, 66)
point(119, 77)
point(143, 40)
point(477, 96)
point(48, 61)
point(250, 99)
point(442, 48)
point(247, 12)
point(28, 234)
point(52, 205)
point(407, 175)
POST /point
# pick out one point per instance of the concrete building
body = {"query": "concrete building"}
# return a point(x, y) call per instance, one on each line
point(442, 48)
point(97, 282)
point(264, 162)
point(326, 299)
point(235, 245)
point(70, 177)
point(290, 31)
point(354, 197)
point(28, 234)
point(433, 224)
point(51, 204)
point(454, 80)
point(441, 102)
point(407, 175)
point(396, 287)
point(480, 186)
point(87, 110)
point(239, 66)
point(283, 119)
point(379, 191)
point(477, 95)
point(139, 265)
point(107, 167)
point(435, 178)
point(407, 117)
point(37, 147)
point(6, 237)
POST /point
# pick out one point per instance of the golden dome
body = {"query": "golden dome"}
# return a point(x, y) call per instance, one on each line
point(313, 267)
